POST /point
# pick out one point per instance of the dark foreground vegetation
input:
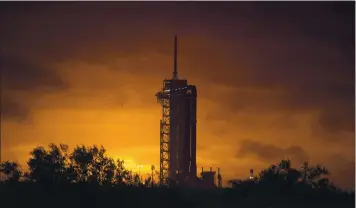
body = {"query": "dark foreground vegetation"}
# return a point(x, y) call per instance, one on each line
point(86, 177)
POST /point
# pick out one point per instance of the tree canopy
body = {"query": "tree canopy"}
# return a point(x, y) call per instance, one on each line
point(89, 166)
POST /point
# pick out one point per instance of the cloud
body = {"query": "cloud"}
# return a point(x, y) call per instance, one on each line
point(336, 121)
point(294, 74)
point(12, 110)
point(271, 153)
point(21, 78)
point(17, 73)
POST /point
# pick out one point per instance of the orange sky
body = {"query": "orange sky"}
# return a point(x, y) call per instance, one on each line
point(87, 73)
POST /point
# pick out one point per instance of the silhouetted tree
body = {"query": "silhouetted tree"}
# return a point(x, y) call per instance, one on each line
point(148, 181)
point(121, 174)
point(314, 175)
point(92, 165)
point(152, 176)
point(129, 179)
point(283, 172)
point(49, 165)
point(137, 180)
point(11, 171)
point(282, 177)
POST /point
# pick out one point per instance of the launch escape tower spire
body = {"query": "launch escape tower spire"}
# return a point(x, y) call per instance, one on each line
point(177, 129)
point(175, 71)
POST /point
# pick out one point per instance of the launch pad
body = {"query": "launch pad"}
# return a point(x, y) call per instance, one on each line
point(178, 131)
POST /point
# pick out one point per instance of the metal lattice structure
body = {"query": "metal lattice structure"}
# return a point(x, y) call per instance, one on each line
point(177, 129)
point(164, 100)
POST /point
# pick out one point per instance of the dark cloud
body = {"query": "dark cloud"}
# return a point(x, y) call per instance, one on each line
point(336, 121)
point(12, 110)
point(19, 76)
point(306, 65)
point(305, 51)
point(271, 153)
point(260, 45)
point(90, 32)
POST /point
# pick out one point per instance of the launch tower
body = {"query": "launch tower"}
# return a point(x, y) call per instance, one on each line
point(177, 129)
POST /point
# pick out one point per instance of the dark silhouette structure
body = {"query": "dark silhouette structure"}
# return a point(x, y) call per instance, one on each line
point(207, 178)
point(178, 137)
point(178, 129)
point(219, 179)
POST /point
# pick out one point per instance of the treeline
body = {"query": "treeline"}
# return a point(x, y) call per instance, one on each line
point(56, 165)
point(86, 176)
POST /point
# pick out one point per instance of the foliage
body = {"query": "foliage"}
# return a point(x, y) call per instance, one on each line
point(283, 178)
point(83, 165)
point(11, 171)
point(91, 171)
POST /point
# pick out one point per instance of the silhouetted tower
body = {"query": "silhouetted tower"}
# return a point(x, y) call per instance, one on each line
point(251, 173)
point(177, 128)
point(152, 179)
point(219, 179)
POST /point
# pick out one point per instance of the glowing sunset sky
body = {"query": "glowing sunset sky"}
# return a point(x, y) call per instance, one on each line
point(275, 80)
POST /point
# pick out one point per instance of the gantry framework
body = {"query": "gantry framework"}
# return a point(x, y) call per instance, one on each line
point(164, 99)
point(177, 128)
